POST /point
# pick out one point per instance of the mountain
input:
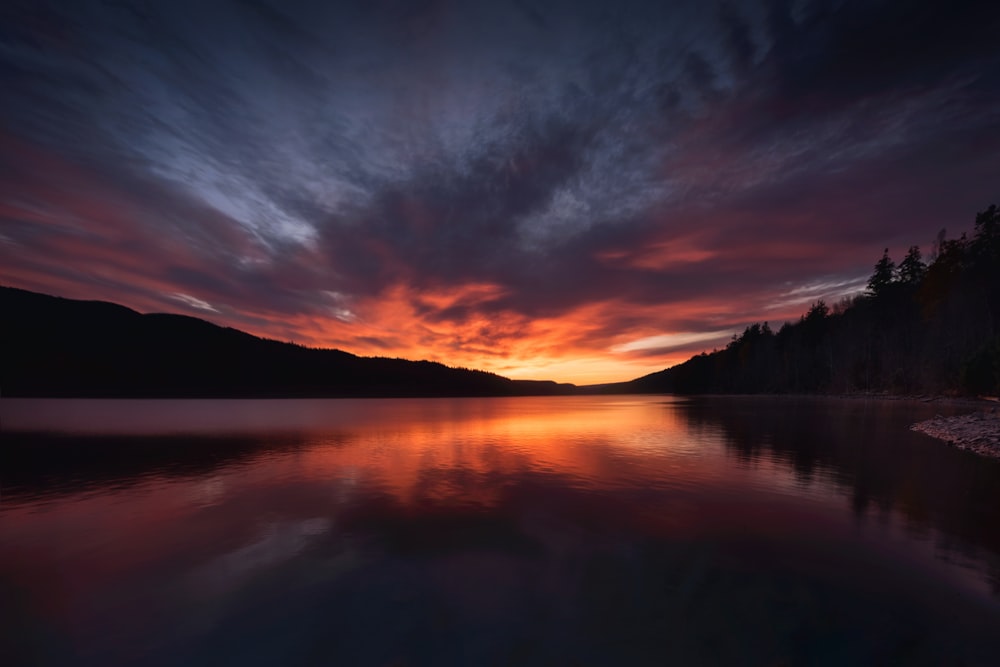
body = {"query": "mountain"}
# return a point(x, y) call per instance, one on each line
point(51, 346)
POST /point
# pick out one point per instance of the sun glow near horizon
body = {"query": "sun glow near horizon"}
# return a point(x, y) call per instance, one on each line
point(580, 347)
point(547, 200)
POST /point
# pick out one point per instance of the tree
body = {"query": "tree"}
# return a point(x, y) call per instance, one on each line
point(817, 311)
point(912, 269)
point(985, 260)
point(986, 240)
point(885, 273)
point(926, 325)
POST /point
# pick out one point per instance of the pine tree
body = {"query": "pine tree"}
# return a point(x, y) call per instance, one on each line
point(884, 276)
point(912, 269)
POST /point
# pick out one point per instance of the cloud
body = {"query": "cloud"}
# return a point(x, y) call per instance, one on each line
point(670, 340)
point(194, 302)
point(486, 184)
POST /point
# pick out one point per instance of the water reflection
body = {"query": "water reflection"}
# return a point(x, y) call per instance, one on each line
point(866, 451)
point(559, 530)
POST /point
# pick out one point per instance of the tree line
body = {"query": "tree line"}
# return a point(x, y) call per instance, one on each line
point(919, 327)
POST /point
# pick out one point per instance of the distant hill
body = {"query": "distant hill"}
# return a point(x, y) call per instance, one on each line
point(56, 347)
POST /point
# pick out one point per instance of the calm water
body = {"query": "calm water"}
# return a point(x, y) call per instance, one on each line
point(555, 531)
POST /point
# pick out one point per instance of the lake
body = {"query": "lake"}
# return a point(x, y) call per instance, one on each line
point(615, 530)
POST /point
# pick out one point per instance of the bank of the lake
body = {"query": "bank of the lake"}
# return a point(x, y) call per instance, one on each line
point(977, 432)
point(976, 429)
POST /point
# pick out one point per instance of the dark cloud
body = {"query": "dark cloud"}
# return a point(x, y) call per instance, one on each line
point(470, 180)
point(854, 49)
point(737, 39)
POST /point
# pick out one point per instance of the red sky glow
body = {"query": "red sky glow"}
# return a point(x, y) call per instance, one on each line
point(575, 192)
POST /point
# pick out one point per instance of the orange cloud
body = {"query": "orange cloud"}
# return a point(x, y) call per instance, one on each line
point(90, 239)
point(583, 345)
point(659, 255)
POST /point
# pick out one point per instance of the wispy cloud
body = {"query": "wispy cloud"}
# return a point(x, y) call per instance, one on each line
point(478, 182)
point(670, 341)
point(194, 302)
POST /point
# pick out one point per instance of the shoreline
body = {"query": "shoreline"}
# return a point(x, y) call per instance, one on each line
point(977, 432)
point(970, 402)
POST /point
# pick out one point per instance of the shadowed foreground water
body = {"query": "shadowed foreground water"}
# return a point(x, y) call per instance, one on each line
point(558, 530)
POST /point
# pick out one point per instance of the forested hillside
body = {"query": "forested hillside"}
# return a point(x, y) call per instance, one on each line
point(920, 327)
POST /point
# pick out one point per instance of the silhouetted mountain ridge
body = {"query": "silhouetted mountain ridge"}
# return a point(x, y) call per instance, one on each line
point(53, 346)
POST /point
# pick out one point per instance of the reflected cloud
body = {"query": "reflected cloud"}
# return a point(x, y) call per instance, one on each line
point(277, 543)
point(381, 529)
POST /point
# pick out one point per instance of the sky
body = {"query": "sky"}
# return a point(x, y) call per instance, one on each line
point(582, 192)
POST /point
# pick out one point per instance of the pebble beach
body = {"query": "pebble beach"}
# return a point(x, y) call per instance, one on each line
point(977, 432)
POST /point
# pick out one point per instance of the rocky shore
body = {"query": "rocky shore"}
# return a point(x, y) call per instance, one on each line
point(978, 432)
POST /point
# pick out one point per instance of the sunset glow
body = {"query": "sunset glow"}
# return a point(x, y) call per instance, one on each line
point(563, 192)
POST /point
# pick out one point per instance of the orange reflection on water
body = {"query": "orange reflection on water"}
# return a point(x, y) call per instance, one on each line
point(464, 451)
point(178, 516)
point(451, 449)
